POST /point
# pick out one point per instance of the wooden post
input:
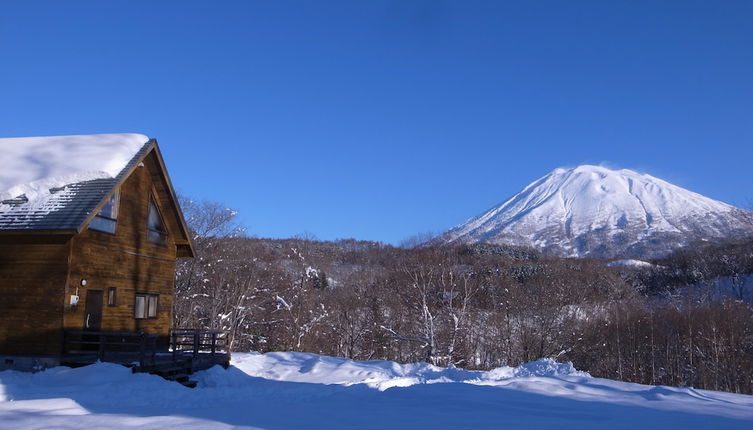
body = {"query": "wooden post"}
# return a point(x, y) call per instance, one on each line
point(142, 347)
point(174, 341)
point(101, 354)
point(195, 345)
point(214, 342)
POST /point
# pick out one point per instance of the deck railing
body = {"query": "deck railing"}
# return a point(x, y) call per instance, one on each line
point(198, 347)
point(196, 342)
point(110, 346)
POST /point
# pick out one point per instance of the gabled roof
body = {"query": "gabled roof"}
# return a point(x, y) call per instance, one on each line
point(55, 184)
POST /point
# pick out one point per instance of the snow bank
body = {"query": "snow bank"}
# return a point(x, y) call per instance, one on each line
point(544, 367)
point(288, 390)
point(317, 369)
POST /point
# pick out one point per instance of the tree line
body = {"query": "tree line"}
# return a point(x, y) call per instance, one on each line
point(477, 307)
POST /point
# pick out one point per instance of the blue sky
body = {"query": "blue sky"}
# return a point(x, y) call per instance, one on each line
point(382, 119)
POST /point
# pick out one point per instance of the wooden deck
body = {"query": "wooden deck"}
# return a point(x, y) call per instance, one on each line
point(186, 352)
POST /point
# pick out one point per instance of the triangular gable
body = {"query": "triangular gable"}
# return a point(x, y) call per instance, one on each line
point(171, 211)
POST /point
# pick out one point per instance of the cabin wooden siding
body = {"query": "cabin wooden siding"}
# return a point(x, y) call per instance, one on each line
point(32, 284)
point(39, 272)
point(127, 260)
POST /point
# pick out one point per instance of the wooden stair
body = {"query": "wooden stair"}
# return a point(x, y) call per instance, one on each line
point(178, 371)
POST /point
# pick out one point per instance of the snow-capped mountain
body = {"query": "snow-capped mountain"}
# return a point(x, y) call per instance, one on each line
point(600, 212)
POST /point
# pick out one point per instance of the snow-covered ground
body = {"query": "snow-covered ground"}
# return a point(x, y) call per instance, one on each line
point(297, 390)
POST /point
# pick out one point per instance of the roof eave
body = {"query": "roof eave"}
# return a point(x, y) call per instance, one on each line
point(184, 247)
point(38, 232)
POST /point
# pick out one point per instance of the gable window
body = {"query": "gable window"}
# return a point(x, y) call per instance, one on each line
point(145, 306)
point(156, 232)
point(107, 218)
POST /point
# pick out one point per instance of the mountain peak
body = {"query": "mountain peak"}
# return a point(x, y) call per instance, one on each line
point(592, 210)
point(597, 171)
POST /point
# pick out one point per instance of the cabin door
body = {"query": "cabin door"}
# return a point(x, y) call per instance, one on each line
point(93, 310)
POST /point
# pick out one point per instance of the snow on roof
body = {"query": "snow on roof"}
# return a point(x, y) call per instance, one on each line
point(36, 164)
point(52, 182)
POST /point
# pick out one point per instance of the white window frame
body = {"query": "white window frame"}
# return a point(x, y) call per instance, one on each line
point(155, 235)
point(145, 306)
point(107, 222)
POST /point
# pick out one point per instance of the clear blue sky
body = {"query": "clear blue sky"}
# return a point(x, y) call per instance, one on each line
point(381, 119)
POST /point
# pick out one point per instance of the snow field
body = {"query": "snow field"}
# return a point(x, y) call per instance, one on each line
point(288, 390)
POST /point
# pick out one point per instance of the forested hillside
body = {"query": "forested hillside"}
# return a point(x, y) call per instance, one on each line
point(476, 307)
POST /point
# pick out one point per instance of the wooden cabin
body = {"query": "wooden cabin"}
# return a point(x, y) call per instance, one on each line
point(90, 230)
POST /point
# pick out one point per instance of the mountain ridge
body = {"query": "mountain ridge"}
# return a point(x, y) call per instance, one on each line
point(600, 212)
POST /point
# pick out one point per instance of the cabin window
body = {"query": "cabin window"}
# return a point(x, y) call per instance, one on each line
point(107, 218)
point(145, 306)
point(156, 232)
point(111, 297)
